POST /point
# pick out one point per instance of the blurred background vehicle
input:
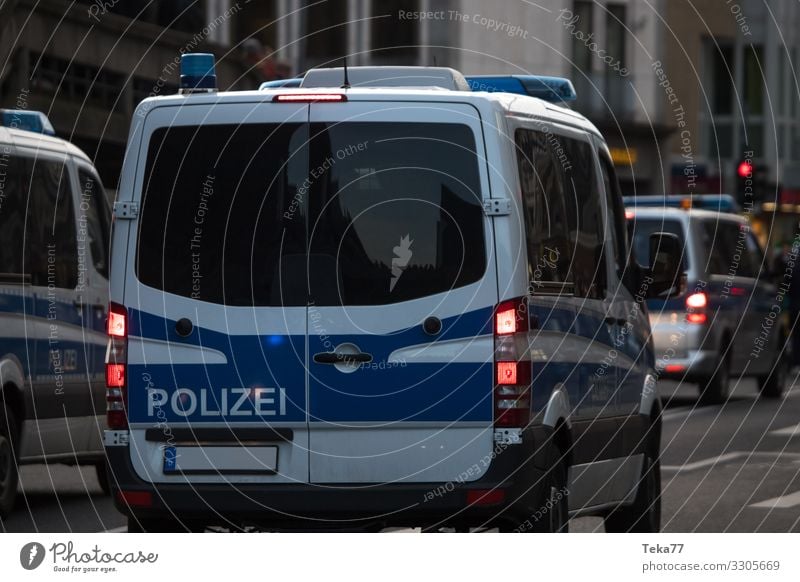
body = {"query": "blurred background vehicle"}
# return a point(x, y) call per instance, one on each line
point(730, 321)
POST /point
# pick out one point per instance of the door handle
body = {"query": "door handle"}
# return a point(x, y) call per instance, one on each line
point(335, 358)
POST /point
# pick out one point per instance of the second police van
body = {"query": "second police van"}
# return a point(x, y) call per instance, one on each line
point(380, 299)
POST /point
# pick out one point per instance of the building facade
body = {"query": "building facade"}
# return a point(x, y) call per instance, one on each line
point(732, 62)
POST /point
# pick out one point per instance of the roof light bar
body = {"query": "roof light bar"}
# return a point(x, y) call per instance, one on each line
point(551, 89)
point(34, 121)
point(308, 97)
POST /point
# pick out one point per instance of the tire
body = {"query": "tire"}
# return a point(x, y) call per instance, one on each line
point(9, 474)
point(772, 384)
point(553, 513)
point(101, 468)
point(644, 516)
point(715, 389)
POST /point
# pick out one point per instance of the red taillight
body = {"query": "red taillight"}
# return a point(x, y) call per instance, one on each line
point(696, 317)
point(696, 304)
point(674, 368)
point(512, 392)
point(697, 300)
point(135, 498)
point(116, 373)
point(309, 97)
point(506, 372)
point(506, 321)
point(117, 324)
point(485, 496)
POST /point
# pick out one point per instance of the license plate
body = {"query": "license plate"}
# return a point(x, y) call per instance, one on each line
point(224, 460)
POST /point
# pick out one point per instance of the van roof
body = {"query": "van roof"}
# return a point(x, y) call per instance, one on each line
point(508, 103)
point(38, 141)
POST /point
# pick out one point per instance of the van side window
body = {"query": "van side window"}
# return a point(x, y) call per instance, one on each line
point(563, 219)
point(585, 216)
point(545, 215)
point(96, 213)
point(51, 224)
point(623, 259)
point(728, 247)
point(12, 222)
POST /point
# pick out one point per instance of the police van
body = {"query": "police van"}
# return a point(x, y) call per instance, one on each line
point(389, 297)
point(54, 236)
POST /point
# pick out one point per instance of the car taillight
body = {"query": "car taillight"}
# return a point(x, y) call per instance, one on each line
point(512, 390)
point(696, 304)
point(116, 363)
point(696, 300)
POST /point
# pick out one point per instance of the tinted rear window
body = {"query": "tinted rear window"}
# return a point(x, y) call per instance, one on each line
point(642, 228)
point(360, 214)
point(217, 212)
point(397, 208)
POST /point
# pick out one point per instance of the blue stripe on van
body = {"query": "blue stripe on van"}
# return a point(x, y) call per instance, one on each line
point(375, 393)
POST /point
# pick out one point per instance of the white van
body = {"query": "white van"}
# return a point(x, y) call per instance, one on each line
point(371, 305)
point(54, 235)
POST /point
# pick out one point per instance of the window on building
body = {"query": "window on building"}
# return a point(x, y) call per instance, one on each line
point(581, 57)
point(325, 32)
point(616, 34)
point(722, 79)
point(753, 93)
point(394, 41)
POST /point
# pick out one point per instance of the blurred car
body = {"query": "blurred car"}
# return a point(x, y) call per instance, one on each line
point(728, 322)
point(54, 234)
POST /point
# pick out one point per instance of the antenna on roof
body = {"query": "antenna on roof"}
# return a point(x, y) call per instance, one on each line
point(346, 80)
point(434, 60)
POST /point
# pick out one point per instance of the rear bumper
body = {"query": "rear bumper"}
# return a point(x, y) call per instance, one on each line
point(684, 351)
point(696, 366)
point(517, 471)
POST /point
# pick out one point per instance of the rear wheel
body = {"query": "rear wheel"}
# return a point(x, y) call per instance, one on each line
point(9, 475)
point(771, 385)
point(715, 389)
point(101, 468)
point(552, 514)
point(644, 516)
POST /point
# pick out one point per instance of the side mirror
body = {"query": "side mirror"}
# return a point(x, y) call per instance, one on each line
point(664, 277)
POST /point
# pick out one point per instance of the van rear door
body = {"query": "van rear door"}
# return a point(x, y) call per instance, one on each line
point(216, 377)
point(397, 238)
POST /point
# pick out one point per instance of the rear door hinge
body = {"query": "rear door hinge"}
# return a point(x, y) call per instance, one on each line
point(126, 210)
point(497, 206)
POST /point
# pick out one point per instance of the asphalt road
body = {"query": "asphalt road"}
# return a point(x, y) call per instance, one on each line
point(730, 468)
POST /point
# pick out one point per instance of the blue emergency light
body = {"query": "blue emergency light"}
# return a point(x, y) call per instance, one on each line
point(35, 121)
point(552, 89)
point(198, 73)
point(713, 202)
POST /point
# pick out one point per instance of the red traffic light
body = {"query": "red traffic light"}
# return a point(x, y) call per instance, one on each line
point(744, 169)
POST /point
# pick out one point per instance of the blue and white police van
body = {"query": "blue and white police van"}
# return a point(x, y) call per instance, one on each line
point(389, 297)
point(54, 237)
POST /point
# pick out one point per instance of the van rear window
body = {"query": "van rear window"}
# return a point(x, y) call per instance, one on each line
point(334, 214)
